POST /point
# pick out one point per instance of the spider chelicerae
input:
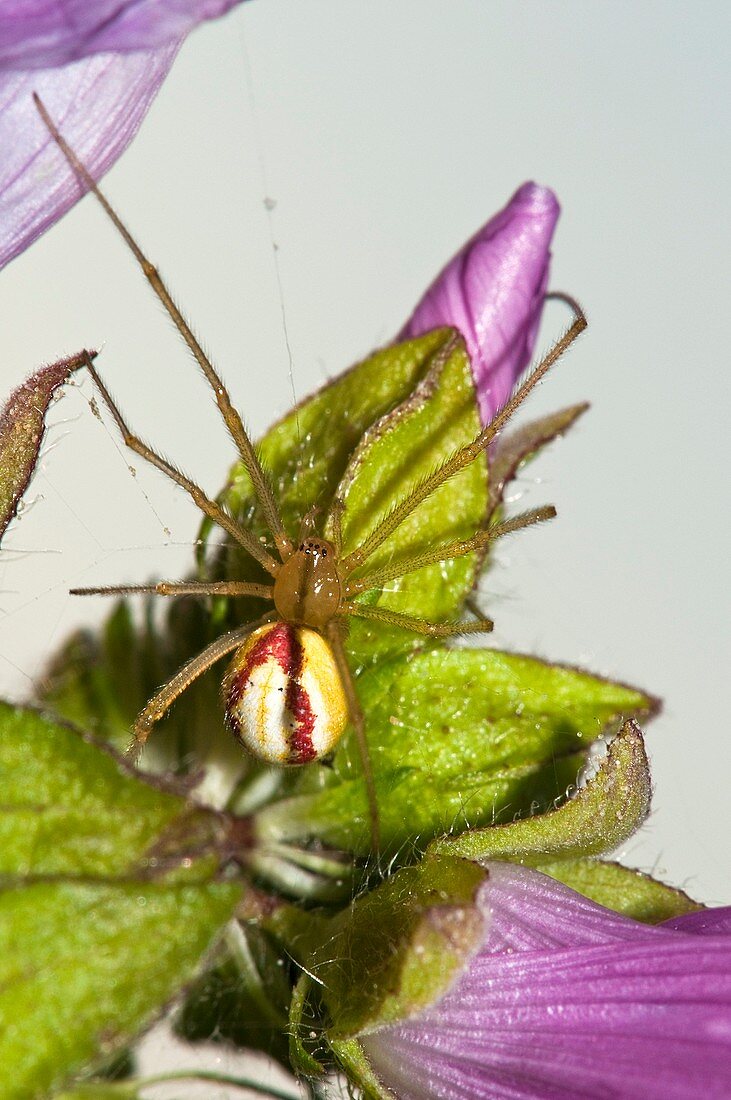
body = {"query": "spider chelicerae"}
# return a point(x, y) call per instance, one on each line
point(289, 692)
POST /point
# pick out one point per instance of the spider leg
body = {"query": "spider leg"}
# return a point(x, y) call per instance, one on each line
point(411, 622)
point(335, 637)
point(336, 510)
point(457, 549)
point(231, 417)
point(182, 588)
point(464, 456)
point(163, 699)
point(213, 510)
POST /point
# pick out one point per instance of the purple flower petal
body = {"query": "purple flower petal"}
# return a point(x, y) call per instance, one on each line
point(98, 104)
point(114, 55)
point(568, 999)
point(492, 291)
point(40, 34)
point(704, 922)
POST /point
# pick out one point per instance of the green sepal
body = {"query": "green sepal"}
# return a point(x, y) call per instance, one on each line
point(395, 454)
point(108, 900)
point(458, 739)
point(394, 950)
point(623, 889)
point(598, 818)
point(22, 427)
point(511, 451)
point(302, 1059)
point(352, 1058)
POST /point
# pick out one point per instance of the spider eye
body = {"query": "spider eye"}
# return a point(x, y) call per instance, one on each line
point(283, 696)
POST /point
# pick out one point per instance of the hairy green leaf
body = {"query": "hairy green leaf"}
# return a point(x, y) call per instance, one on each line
point(69, 808)
point(398, 452)
point(458, 738)
point(85, 966)
point(621, 888)
point(108, 900)
point(598, 818)
point(394, 949)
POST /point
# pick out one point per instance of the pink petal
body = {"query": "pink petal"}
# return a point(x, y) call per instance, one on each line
point(568, 999)
point(98, 103)
point(39, 34)
point(492, 291)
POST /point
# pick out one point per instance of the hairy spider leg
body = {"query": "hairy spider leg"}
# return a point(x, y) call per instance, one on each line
point(415, 624)
point(209, 507)
point(180, 588)
point(334, 632)
point(231, 417)
point(164, 698)
point(451, 550)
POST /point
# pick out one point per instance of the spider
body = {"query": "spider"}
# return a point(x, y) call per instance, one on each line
point(289, 692)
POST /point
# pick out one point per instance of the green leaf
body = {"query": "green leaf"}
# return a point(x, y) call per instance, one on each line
point(69, 808)
point(301, 1038)
point(620, 888)
point(599, 817)
point(84, 967)
point(458, 738)
point(21, 430)
point(395, 949)
point(307, 452)
point(108, 901)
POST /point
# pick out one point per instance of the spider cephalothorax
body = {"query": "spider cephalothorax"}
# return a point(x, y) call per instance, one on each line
point(307, 586)
point(289, 692)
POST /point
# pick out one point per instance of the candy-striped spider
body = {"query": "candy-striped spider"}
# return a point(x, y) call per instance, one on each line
point(289, 691)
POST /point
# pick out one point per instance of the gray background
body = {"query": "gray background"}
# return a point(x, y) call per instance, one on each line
point(386, 133)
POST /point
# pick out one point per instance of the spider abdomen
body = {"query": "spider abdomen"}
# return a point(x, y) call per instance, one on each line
point(283, 696)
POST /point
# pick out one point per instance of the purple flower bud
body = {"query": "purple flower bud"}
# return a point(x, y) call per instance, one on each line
point(566, 998)
point(97, 67)
point(492, 291)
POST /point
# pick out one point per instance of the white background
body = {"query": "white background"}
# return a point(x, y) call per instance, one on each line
point(387, 133)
